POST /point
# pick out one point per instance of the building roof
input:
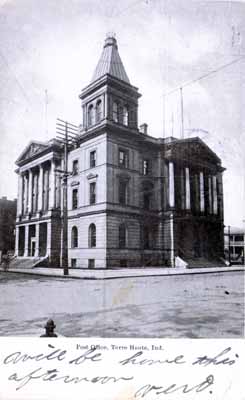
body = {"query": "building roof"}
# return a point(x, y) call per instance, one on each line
point(234, 230)
point(110, 62)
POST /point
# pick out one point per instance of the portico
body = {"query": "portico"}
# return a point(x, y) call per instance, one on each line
point(194, 212)
point(38, 207)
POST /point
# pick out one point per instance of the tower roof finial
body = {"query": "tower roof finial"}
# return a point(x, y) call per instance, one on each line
point(111, 40)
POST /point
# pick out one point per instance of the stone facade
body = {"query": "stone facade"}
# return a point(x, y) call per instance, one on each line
point(133, 200)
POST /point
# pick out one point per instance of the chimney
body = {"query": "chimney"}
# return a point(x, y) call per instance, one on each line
point(143, 129)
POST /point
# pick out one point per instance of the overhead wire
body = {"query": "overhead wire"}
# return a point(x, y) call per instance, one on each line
point(204, 76)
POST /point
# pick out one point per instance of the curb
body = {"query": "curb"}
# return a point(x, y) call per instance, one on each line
point(179, 273)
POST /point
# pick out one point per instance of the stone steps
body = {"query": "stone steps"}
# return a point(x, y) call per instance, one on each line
point(204, 263)
point(26, 262)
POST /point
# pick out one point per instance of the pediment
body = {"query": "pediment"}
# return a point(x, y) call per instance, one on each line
point(194, 149)
point(91, 176)
point(31, 149)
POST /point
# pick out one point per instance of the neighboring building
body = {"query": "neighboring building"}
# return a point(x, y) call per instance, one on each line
point(133, 199)
point(7, 224)
point(234, 244)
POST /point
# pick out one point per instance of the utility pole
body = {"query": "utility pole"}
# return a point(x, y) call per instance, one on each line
point(46, 112)
point(229, 242)
point(182, 113)
point(67, 135)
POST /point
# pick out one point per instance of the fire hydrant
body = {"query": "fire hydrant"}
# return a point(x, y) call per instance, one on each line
point(49, 329)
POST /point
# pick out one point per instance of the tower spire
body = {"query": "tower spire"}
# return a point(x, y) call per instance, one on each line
point(110, 61)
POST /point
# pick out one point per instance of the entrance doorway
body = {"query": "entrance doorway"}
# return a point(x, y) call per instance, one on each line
point(32, 238)
point(33, 247)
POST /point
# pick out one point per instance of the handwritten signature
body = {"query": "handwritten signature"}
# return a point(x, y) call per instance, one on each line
point(186, 388)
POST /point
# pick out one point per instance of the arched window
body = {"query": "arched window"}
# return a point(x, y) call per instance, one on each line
point(91, 115)
point(115, 110)
point(122, 236)
point(92, 235)
point(74, 237)
point(125, 115)
point(98, 111)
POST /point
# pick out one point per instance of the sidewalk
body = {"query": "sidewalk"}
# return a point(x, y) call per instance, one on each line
point(121, 273)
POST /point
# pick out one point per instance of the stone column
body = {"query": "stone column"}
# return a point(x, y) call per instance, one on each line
point(197, 192)
point(201, 186)
point(105, 106)
point(48, 252)
point(40, 188)
point(84, 117)
point(182, 188)
point(187, 189)
point(171, 184)
point(215, 198)
point(172, 256)
point(37, 241)
point(26, 240)
point(52, 186)
point(26, 195)
point(220, 196)
point(20, 195)
point(210, 195)
point(17, 231)
point(30, 190)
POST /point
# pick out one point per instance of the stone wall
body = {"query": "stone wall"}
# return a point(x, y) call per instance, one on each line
point(83, 252)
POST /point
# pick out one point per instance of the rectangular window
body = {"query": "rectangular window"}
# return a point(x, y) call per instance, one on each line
point(123, 158)
point(91, 263)
point(74, 198)
point(75, 167)
point(92, 193)
point(122, 192)
point(92, 159)
point(146, 167)
point(238, 238)
point(73, 263)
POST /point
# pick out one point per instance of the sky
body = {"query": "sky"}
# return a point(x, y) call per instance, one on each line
point(50, 48)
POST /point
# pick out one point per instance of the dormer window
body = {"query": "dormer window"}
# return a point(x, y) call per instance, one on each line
point(125, 115)
point(91, 115)
point(98, 111)
point(115, 111)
